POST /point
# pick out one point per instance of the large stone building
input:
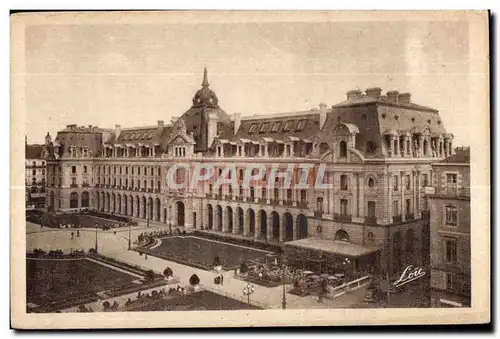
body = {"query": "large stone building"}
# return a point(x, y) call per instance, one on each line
point(450, 231)
point(377, 149)
point(35, 173)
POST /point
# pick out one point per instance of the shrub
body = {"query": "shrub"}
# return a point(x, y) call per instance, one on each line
point(149, 275)
point(194, 280)
point(217, 261)
point(243, 267)
point(92, 251)
point(106, 305)
point(168, 272)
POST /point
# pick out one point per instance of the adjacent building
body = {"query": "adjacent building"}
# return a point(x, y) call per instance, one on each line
point(377, 149)
point(35, 173)
point(450, 231)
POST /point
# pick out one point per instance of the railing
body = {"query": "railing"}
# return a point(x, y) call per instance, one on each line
point(342, 217)
point(371, 220)
point(397, 218)
point(302, 204)
point(453, 191)
point(73, 185)
point(318, 214)
point(410, 216)
point(350, 286)
point(287, 202)
point(85, 185)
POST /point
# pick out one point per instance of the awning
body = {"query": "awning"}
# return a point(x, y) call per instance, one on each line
point(266, 139)
point(130, 145)
point(118, 145)
point(279, 141)
point(342, 248)
point(243, 140)
point(223, 141)
point(292, 138)
point(307, 141)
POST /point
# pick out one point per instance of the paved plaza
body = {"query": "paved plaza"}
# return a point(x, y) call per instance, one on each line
point(116, 246)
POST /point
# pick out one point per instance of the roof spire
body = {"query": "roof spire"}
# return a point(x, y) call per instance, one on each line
point(205, 78)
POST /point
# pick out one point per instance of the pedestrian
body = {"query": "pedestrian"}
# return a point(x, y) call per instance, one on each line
point(222, 279)
point(77, 233)
point(115, 232)
point(72, 235)
point(146, 256)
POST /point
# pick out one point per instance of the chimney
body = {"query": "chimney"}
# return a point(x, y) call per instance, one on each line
point(173, 120)
point(118, 131)
point(405, 98)
point(374, 92)
point(393, 96)
point(160, 127)
point(353, 94)
point(237, 122)
point(322, 114)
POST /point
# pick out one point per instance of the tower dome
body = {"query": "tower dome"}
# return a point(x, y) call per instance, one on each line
point(205, 97)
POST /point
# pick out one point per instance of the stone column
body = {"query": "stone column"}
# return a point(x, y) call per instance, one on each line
point(282, 228)
point(257, 225)
point(215, 218)
point(361, 192)
point(269, 231)
point(418, 197)
point(391, 146)
point(246, 224)
point(235, 221)
point(225, 223)
point(414, 191)
point(295, 228)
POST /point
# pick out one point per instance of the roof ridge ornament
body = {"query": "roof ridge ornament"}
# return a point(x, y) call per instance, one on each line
point(205, 78)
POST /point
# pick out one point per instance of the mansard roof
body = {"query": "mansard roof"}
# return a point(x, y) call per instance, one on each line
point(33, 151)
point(363, 99)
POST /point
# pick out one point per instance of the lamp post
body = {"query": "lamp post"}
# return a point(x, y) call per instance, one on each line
point(283, 301)
point(170, 218)
point(249, 289)
point(96, 226)
point(147, 213)
point(129, 237)
point(346, 264)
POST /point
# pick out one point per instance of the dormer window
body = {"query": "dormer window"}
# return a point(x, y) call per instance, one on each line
point(252, 128)
point(264, 127)
point(276, 127)
point(287, 126)
point(301, 125)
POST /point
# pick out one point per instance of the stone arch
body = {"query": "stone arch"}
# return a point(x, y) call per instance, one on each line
point(342, 235)
point(73, 200)
point(302, 226)
point(288, 231)
point(210, 217)
point(119, 207)
point(250, 221)
point(263, 223)
point(137, 206)
point(143, 204)
point(125, 205)
point(157, 209)
point(131, 205)
point(276, 225)
point(85, 199)
point(219, 218)
point(241, 220)
point(113, 203)
point(229, 218)
point(108, 203)
point(181, 210)
point(150, 208)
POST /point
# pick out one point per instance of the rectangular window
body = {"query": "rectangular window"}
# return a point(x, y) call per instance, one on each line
point(344, 204)
point(303, 195)
point(252, 128)
point(73, 169)
point(371, 209)
point(451, 179)
point(301, 125)
point(451, 250)
point(264, 127)
point(408, 182)
point(264, 193)
point(240, 174)
point(319, 204)
point(73, 181)
point(408, 207)
point(395, 182)
point(276, 193)
point(425, 180)
point(289, 195)
point(132, 170)
point(84, 169)
point(138, 171)
point(276, 127)
point(451, 215)
point(344, 183)
point(287, 126)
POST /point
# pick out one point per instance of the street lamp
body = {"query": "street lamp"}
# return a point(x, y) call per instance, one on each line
point(249, 289)
point(96, 226)
point(283, 263)
point(170, 218)
point(129, 236)
point(346, 264)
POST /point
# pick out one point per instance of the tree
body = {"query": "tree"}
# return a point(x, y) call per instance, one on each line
point(243, 267)
point(106, 305)
point(168, 272)
point(149, 275)
point(217, 261)
point(194, 280)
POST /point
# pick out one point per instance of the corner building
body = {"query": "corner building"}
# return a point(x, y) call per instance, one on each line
point(377, 150)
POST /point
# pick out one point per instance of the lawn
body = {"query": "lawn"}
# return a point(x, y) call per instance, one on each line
point(201, 252)
point(204, 300)
point(50, 281)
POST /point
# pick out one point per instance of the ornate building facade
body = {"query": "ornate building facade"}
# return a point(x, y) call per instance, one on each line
point(377, 150)
point(35, 173)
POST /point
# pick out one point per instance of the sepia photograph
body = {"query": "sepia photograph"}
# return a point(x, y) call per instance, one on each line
point(246, 168)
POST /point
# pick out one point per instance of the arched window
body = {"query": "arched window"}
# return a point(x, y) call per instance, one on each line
point(85, 199)
point(371, 147)
point(343, 149)
point(371, 182)
point(344, 182)
point(342, 235)
point(371, 238)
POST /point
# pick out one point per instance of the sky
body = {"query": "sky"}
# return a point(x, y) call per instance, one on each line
point(137, 74)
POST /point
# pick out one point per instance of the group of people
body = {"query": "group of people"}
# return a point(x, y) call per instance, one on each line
point(145, 236)
point(77, 234)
